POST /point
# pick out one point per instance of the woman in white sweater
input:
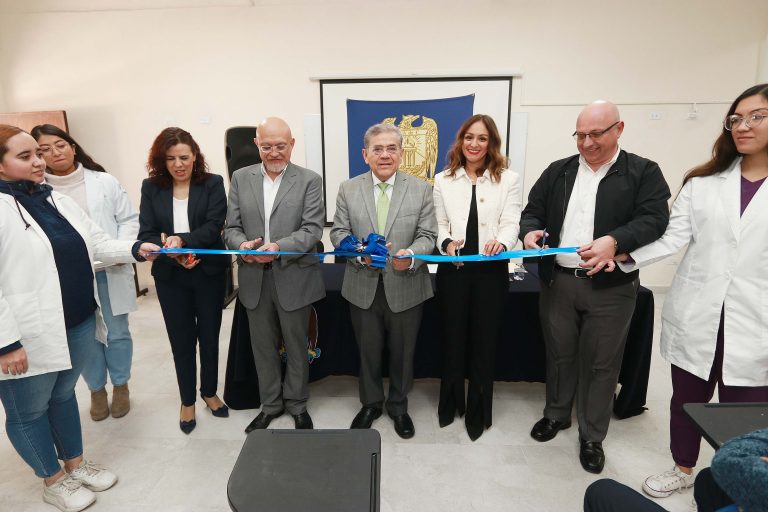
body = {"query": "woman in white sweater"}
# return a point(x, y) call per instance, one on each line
point(49, 319)
point(72, 172)
point(477, 203)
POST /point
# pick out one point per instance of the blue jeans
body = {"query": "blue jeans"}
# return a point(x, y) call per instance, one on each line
point(41, 415)
point(115, 357)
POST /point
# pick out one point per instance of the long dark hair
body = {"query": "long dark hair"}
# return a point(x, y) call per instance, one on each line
point(81, 156)
point(495, 161)
point(724, 151)
point(157, 166)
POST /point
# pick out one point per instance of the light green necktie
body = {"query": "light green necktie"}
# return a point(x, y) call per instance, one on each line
point(382, 206)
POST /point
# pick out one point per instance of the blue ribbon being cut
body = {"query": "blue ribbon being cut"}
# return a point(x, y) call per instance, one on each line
point(375, 247)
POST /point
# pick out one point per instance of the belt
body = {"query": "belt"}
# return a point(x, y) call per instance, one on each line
point(581, 273)
point(267, 266)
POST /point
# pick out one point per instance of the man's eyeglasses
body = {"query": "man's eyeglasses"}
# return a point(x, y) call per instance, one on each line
point(752, 119)
point(579, 136)
point(60, 147)
point(380, 150)
point(266, 148)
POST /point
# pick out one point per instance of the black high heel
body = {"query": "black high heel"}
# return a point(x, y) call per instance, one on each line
point(221, 412)
point(187, 426)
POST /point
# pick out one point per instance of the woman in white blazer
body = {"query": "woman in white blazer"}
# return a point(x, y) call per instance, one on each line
point(72, 172)
point(49, 319)
point(477, 203)
point(715, 317)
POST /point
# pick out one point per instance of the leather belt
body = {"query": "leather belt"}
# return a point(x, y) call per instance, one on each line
point(580, 273)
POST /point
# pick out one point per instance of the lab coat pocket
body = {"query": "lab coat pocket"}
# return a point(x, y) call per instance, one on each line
point(25, 310)
point(681, 301)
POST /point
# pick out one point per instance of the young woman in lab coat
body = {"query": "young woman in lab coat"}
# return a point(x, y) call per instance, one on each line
point(715, 317)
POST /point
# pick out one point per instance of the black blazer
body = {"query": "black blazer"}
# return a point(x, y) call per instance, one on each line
point(207, 210)
point(631, 206)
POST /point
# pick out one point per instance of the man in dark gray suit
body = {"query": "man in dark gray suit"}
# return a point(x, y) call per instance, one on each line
point(277, 206)
point(386, 304)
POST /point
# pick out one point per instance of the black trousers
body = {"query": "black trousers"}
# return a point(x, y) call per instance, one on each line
point(191, 302)
point(471, 301)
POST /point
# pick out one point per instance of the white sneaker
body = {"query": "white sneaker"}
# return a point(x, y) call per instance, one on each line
point(68, 495)
point(666, 483)
point(94, 476)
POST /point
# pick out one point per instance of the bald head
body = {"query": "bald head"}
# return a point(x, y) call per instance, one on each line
point(599, 110)
point(273, 136)
point(273, 126)
point(598, 129)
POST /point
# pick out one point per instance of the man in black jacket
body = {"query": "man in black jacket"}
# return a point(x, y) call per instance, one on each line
point(606, 201)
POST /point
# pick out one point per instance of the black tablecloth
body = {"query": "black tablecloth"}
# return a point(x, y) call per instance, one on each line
point(520, 354)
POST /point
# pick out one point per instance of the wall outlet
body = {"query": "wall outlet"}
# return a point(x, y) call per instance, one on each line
point(656, 116)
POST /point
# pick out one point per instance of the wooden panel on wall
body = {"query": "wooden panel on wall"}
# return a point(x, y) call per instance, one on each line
point(28, 120)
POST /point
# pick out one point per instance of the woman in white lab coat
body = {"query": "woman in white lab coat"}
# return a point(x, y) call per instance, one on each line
point(715, 317)
point(50, 319)
point(72, 172)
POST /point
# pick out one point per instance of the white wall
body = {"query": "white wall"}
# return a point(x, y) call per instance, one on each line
point(124, 73)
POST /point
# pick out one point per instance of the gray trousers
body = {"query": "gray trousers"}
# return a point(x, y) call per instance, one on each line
point(585, 331)
point(270, 327)
point(374, 327)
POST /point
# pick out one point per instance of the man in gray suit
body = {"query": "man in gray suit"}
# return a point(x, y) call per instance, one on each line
point(277, 206)
point(386, 304)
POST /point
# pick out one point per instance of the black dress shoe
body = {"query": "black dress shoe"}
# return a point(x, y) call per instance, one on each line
point(546, 429)
point(592, 456)
point(365, 417)
point(303, 421)
point(187, 426)
point(221, 412)
point(262, 421)
point(404, 426)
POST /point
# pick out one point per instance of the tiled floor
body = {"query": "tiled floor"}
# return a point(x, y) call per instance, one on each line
point(160, 468)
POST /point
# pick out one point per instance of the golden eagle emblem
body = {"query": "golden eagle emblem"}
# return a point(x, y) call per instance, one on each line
point(419, 146)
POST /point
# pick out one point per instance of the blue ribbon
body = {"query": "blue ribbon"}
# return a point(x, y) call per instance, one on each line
point(379, 258)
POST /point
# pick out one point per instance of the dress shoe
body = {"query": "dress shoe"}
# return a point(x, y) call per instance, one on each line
point(365, 417)
point(591, 456)
point(262, 421)
point(221, 412)
point(403, 425)
point(546, 429)
point(187, 426)
point(303, 421)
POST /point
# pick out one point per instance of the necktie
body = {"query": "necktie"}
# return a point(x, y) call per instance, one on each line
point(382, 207)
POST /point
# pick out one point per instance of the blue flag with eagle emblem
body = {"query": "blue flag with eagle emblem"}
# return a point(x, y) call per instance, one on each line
point(429, 128)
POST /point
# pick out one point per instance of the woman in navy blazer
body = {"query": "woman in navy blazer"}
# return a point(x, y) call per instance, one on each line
point(183, 205)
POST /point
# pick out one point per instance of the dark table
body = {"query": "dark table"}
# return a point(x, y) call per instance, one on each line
point(307, 470)
point(520, 354)
point(718, 423)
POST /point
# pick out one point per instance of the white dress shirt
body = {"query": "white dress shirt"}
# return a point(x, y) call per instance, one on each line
point(270, 192)
point(579, 224)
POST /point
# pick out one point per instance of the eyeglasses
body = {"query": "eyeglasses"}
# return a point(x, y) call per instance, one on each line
point(266, 148)
point(380, 150)
point(752, 119)
point(592, 135)
point(60, 146)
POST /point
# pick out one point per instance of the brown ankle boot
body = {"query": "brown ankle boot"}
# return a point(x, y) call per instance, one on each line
point(121, 402)
point(99, 406)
